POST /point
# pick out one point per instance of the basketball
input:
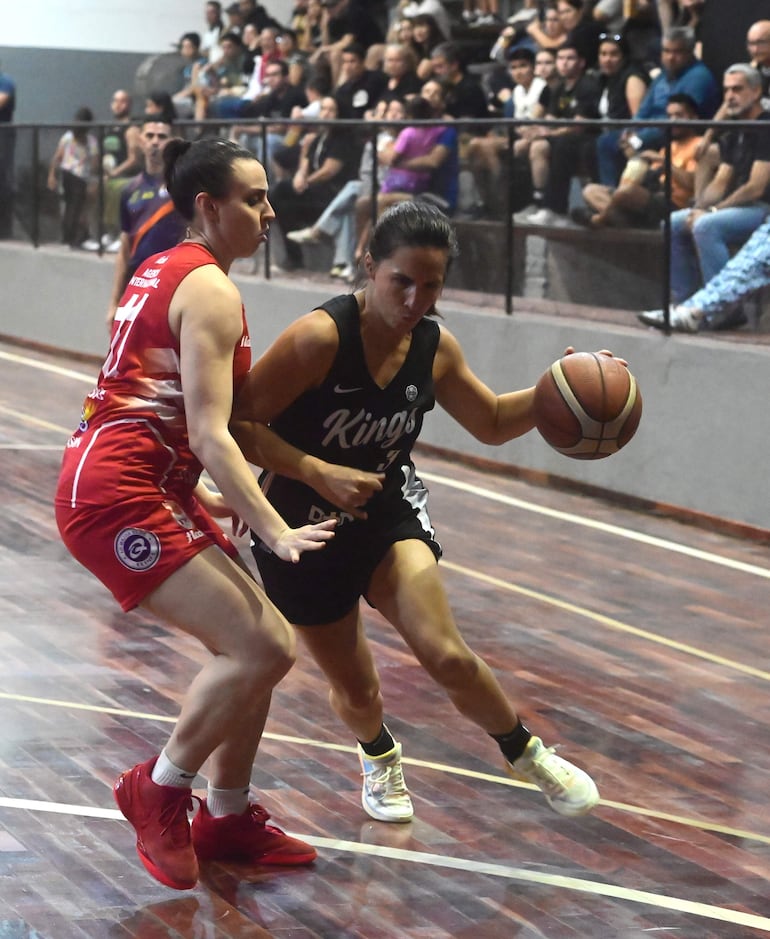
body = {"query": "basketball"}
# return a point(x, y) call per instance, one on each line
point(587, 406)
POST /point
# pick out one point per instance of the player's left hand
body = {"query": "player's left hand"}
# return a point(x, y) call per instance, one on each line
point(570, 349)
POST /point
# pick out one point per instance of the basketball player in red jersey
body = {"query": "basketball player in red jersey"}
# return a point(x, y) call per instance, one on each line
point(344, 391)
point(131, 508)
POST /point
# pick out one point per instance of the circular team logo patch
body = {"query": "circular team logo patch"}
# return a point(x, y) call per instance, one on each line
point(411, 393)
point(136, 549)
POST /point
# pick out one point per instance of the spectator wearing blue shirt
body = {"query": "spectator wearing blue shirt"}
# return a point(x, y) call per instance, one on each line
point(681, 73)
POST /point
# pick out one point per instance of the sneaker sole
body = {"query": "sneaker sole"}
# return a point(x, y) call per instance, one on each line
point(119, 792)
point(381, 817)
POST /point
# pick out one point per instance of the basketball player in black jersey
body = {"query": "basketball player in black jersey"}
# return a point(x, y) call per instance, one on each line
point(344, 390)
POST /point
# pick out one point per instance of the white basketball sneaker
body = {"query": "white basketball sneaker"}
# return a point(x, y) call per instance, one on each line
point(570, 791)
point(384, 795)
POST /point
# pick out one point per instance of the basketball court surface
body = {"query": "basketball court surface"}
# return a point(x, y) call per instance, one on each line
point(636, 642)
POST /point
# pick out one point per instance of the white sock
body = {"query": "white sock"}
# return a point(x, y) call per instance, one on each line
point(165, 773)
point(221, 802)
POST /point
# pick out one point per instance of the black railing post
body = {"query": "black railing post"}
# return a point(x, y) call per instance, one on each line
point(509, 245)
point(666, 285)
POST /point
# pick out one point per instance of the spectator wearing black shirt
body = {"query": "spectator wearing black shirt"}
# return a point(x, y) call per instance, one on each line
point(398, 64)
point(360, 88)
point(277, 105)
point(466, 97)
point(582, 30)
point(559, 153)
point(326, 163)
point(344, 22)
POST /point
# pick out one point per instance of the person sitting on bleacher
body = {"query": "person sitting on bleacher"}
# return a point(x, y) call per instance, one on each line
point(466, 97)
point(733, 205)
point(523, 102)
point(557, 154)
point(640, 198)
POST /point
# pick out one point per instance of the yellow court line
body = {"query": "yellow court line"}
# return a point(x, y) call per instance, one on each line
point(36, 421)
point(630, 809)
point(607, 621)
point(468, 866)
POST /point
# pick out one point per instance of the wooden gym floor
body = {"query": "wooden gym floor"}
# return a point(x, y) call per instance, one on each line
point(637, 642)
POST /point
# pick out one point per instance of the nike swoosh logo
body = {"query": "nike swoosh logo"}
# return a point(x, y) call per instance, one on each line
point(338, 389)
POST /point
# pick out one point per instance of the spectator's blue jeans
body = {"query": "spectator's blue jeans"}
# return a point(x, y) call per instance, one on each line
point(609, 158)
point(338, 221)
point(699, 255)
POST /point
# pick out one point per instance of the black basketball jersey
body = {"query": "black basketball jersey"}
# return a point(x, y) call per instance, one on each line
point(351, 421)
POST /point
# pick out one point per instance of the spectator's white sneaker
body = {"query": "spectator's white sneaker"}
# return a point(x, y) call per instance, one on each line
point(683, 319)
point(523, 215)
point(303, 236)
point(546, 216)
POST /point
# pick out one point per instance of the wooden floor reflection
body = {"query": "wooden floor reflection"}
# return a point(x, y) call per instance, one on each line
point(638, 643)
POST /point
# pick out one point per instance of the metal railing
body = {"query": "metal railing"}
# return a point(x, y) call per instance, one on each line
point(30, 147)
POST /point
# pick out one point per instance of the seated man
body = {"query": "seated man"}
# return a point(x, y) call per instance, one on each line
point(737, 199)
point(277, 105)
point(556, 154)
point(680, 72)
point(525, 101)
point(640, 197)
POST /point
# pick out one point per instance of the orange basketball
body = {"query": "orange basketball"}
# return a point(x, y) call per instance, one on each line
point(587, 406)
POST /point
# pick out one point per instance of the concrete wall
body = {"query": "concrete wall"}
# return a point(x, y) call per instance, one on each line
point(702, 443)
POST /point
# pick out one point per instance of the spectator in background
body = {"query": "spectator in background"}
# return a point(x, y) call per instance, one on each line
point(122, 161)
point(251, 48)
point(557, 154)
point(545, 68)
point(465, 96)
point(338, 220)
point(324, 168)
point(215, 29)
point(293, 56)
point(73, 169)
point(426, 35)
point(360, 88)
point(221, 83)
point(411, 9)
point(718, 304)
point(441, 161)
point(524, 102)
point(681, 73)
point(609, 14)
point(161, 104)
point(7, 152)
point(254, 13)
point(149, 223)
point(344, 23)
point(582, 30)
point(278, 106)
point(735, 203)
point(758, 44)
point(190, 50)
point(640, 198)
point(550, 32)
point(399, 65)
point(235, 20)
point(623, 85)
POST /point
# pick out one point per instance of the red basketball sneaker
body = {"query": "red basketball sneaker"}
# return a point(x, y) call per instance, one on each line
point(159, 816)
point(246, 839)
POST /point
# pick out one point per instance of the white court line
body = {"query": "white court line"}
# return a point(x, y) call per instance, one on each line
point(598, 526)
point(520, 874)
point(483, 493)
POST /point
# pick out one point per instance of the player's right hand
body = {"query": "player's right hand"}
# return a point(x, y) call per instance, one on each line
point(347, 488)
